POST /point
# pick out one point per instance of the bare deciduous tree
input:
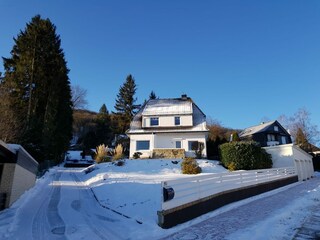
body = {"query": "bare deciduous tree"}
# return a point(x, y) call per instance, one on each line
point(79, 95)
point(301, 120)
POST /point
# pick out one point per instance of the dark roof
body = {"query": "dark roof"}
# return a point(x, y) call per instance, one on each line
point(260, 128)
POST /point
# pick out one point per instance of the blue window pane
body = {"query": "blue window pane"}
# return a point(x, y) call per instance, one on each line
point(143, 145)
point(154, 121)
point(177, 120)
point(178, 144)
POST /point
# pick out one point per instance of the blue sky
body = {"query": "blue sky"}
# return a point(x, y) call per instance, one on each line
point(241, 61)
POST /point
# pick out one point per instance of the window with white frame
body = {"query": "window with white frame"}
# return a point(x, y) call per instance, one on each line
point(193, 145)
point(178, 144)
point(143, 145)
point(276, 128)
point(154, 121)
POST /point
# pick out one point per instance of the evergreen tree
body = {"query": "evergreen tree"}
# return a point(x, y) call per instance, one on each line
point(125, 104)
point(36, 88)
point(103, 131)
point(152, 95)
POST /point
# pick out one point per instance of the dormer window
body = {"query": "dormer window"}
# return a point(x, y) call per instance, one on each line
point(154, 121)
point(177, 121)
point(276, 128)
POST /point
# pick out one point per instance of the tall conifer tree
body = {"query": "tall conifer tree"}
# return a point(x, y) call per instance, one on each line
point(125, 103)
point(37, 89)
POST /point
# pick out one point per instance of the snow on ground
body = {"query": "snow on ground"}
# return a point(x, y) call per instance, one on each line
point(135, 188)
point(62, 205)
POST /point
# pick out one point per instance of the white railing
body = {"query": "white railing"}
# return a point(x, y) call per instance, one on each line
point(191, 189)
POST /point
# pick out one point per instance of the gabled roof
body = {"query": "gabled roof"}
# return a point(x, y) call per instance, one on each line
point(171, 106)
point(259, 128)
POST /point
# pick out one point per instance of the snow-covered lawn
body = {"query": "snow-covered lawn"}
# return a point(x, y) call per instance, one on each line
point(134, 189)
point(121, 202)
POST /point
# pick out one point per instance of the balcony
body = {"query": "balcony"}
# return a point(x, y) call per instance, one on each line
point(272, 143)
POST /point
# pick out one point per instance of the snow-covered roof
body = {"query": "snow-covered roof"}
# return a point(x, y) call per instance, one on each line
point(255, 129)
point(177, 106)
point(15, 148)
point(167, 107)
point(2, 143)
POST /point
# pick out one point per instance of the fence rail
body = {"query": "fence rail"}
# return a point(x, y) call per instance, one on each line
point(191, 189)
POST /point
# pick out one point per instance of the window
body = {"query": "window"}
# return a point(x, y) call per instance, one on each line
point(143, 145)
point(276, 128)
point(176, 121)
point(178, 144)
point(154, 121)
point(193, 145)
point(271, 137)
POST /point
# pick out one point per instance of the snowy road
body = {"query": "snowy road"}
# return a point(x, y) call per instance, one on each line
point(63, 209)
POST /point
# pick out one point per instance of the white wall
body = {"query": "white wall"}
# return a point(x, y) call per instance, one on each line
point(168, 121)
point(141, 137)
point(167, 140)
point(282, 155)
point(289, 155)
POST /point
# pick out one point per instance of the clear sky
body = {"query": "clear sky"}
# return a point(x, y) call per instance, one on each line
point(241, 61)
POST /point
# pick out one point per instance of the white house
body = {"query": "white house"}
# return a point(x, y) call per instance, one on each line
point(168, 124)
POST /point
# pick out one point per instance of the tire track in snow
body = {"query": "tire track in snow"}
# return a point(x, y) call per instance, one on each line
point(47, 221)
point(93, 220)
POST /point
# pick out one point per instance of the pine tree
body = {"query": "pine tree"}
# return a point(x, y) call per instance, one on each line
point(103, 130)
point(125, 103)
point(152, 95)
point(37, 89)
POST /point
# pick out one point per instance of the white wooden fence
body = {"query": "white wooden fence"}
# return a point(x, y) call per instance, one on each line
point(191, 189)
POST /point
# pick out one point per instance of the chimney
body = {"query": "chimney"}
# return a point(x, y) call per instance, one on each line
point(184, 97)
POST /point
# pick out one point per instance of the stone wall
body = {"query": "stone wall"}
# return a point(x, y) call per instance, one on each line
point(168, 153)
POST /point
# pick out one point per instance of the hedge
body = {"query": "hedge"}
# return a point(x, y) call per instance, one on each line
point(245, 155)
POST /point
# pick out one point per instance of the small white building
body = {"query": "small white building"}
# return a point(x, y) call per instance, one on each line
point(168, 124)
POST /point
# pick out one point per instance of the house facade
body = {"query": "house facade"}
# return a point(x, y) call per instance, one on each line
point(267, 134)
point(17, 173)
point(168, 124)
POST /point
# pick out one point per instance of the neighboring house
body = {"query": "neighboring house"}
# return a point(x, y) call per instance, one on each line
point(267, 134)
point(17, 173)
point(168, 124)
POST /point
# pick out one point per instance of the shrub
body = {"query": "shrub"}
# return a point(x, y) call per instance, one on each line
point(190, 166)
point(118, 152)
point(102, 154)
point(199, 150)
point(137, 155)
point(246, 155)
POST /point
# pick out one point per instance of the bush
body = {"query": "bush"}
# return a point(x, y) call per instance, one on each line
point(137, 155)
point(190, 166)
point(118, 152)
point(246, 155)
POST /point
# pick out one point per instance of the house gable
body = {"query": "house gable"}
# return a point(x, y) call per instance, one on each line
point(267, 134)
